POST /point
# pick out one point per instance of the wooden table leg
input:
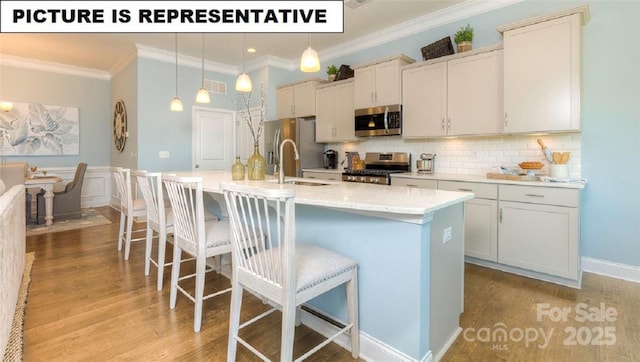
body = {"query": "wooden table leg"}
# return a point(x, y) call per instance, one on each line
point(48, 206)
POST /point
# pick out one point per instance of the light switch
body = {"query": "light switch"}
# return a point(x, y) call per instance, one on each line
point(163, 154)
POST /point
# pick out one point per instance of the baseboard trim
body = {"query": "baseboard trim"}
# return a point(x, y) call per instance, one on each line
point(371, 349)
point(611, 269)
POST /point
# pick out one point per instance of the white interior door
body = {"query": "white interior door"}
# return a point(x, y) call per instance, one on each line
point(213, 139)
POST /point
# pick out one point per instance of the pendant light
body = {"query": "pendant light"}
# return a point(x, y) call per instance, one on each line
point(243, 83)
point(309, 62)
point(176, 103)
point(6, 106)
point(203, 93)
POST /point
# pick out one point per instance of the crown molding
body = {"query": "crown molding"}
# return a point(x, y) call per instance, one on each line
point(272, 61)
point(184, 60)
point(131, 56)
point(417, 25)
point(33, 64)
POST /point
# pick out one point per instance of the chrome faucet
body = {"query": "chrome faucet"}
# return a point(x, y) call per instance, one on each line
point(297, 157)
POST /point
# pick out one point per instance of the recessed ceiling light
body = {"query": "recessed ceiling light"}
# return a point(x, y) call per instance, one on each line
point(251, 50)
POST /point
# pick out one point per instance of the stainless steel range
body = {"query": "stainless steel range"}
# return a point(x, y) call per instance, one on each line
point(379, 167)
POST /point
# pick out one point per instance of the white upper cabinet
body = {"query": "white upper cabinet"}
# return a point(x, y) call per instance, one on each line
point(542, 75)
point(474, 94)
point(297, 100)
point(424, 102)
point(379, 83)
point(334, 116)
point(461, 96)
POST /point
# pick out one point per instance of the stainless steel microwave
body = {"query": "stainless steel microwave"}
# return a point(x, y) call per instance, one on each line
point(378, 121)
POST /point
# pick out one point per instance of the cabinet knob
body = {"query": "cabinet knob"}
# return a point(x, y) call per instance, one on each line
point(442, 123)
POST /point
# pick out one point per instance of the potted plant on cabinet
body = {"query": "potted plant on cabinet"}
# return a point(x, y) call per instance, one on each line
point(463, 38)
point(332, 71)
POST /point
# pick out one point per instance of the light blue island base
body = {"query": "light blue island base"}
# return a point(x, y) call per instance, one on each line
point(410, 283)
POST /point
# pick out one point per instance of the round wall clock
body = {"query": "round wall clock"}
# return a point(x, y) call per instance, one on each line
point(120, 125)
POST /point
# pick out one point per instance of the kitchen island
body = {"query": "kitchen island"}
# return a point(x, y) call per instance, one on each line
point(409, 246)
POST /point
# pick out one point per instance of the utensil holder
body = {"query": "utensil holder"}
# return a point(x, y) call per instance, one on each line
point(559, 171)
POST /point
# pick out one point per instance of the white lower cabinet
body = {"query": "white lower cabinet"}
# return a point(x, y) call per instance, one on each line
point(539, 230)
point(530, 230)
point(480, 218)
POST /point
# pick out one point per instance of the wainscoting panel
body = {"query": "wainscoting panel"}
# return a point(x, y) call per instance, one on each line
point(96, 188)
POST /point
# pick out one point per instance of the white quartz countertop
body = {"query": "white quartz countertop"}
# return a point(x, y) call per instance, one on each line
point(348, 195)
point(484, 179)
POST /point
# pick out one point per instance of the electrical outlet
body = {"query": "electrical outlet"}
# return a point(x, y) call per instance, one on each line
point(447, 234)
point(163, 154)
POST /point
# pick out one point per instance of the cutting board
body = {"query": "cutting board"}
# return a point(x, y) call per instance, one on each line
point(502, 176)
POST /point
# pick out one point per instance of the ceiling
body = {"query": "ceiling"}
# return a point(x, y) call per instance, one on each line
point(104, 51)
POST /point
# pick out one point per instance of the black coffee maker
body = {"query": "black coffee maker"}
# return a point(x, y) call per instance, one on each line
point(331, 159)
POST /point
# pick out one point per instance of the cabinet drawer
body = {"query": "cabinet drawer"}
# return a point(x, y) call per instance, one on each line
point(329, 176)
point(412, 182)
point(481, 190)
point(540, 195)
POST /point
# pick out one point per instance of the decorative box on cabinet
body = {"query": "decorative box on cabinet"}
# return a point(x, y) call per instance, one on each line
point(480, 218)
point(334, 112)
point(454, 96)
point(379, 83)
point(542, 60)
point(297, 100)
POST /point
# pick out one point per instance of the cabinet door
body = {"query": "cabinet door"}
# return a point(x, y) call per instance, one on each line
point(305, 99)
point(284, 102)
point(481, 229)
point(474, 94)
point(364, 87)
point(541, 238)
point(424, 101)
point(542, 76)
point(344, 119)
point(388, 84)
point(325, 114)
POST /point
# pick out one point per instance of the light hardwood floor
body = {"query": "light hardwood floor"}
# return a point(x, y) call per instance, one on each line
point(86, 303)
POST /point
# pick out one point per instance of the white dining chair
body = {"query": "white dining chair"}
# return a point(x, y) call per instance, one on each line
point(194, 236)
point(129, 209)
point(274, 265)
point(159, 220)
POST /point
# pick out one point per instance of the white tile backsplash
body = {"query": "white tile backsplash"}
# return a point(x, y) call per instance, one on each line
point(473, 155)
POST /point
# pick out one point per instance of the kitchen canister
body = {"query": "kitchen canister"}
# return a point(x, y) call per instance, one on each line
point(559, 171)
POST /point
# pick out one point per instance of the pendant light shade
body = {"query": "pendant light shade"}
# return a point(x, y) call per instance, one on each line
point(243, 83)
point(6, 106)
point(309, 62)
point(203, 95)
point(176, 103)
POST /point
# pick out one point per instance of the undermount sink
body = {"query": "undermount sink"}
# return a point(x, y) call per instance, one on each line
point(304, 182)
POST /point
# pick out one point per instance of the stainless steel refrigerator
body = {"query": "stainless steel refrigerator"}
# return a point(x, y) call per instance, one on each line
point(303, 132)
